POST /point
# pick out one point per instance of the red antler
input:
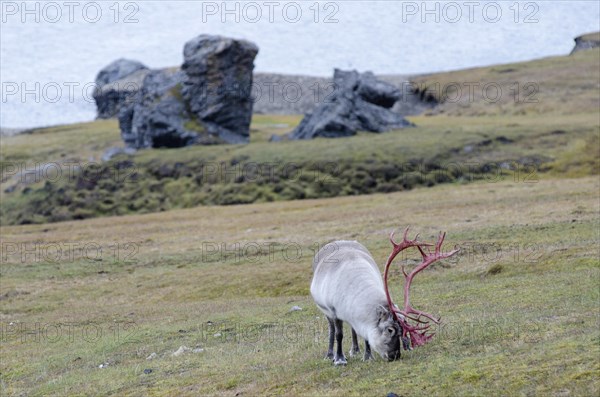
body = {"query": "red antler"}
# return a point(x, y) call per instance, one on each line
point(418, 333)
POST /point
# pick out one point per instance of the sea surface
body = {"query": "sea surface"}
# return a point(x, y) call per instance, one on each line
point(50, 52)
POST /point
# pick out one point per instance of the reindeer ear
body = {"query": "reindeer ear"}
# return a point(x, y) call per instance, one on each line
point(383, 313)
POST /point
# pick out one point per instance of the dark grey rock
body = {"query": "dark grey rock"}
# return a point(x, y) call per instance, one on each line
point(207, 101)
point(586, 42)
point(117, 70)
point(116, 84)
point(295, 94)
point(376, 91)
point(159, 118)
point(360, 102)
point(218, 84)
point(116, 95)
point(413, 100)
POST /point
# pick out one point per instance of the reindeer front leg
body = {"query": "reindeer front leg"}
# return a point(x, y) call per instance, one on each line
point(339, 358)
point(355, 348)
point(368, 356)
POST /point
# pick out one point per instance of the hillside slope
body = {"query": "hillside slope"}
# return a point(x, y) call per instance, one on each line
point(509, 121)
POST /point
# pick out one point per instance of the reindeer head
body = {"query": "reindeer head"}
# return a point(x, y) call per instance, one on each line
point(417, 333)
point(385, 340)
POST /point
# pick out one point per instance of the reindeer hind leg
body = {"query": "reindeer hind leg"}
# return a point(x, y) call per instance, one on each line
point(329, 354)
point(339, 358)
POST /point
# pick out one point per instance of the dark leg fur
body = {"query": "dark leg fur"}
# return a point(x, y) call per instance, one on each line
point(331, 339)
point(339, 358)
point(368, 356)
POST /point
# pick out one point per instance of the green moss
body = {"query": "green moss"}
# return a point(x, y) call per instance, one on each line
point(176, 92)
point(194, 125)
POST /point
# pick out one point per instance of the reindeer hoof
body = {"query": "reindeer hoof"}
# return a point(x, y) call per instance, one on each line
point(354, 352)
point(368, 357)
point(329, 356)
point(340, 361)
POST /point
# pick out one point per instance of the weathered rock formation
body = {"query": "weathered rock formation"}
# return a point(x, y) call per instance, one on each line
point(158, 117)
point(116, 85)
point(360, 102)
point(272, 93)
point(207, 101)
point(218, 84)
point(295, 94)
point(586, 41)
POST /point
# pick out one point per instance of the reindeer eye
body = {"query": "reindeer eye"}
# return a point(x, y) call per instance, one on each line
point(391, 331)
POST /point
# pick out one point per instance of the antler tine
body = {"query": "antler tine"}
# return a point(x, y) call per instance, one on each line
point(440, 241)
point(438, 248)
point(404, 237)
point(406, 243)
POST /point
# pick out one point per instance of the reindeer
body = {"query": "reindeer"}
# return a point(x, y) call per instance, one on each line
point(347, 286)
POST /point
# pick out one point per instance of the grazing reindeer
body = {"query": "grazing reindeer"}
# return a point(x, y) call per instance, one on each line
point(347, 286)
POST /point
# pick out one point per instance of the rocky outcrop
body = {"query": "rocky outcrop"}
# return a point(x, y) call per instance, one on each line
point(360, 102)
point(159, 118)
point(206, 101)
point(217, 88)
point(116, 85)
point(119, 94)
point(586, 41)
point(295, 94)
point(117, 70)
point(272, 93)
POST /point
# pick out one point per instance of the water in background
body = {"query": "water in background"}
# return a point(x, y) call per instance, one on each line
point(51, 52)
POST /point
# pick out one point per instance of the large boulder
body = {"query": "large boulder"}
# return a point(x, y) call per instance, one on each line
point(207, 101)
point(360, 102)
point(118, 69)
point(116, 85)
point(159, 118)
point(296, 94)
point(218, 85)
point(119, 94)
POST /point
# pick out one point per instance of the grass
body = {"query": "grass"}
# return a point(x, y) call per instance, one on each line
point(591, 37)
point(165, 280)
point(443, 149)
point(560, 85)
point(515, 185)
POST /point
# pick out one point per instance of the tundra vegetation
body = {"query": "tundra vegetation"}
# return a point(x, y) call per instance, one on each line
point(519, 303)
